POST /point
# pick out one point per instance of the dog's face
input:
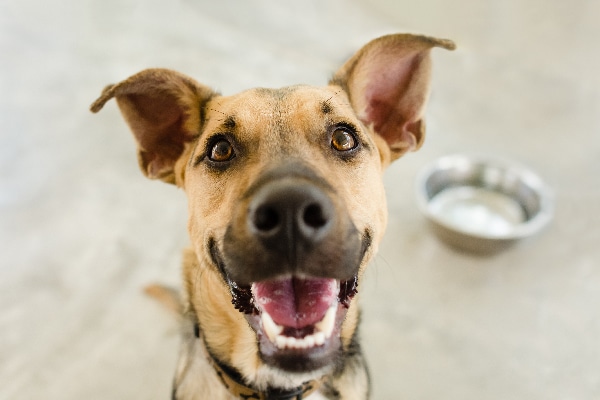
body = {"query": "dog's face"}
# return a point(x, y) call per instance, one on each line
point(286, 202)
point(294, 173)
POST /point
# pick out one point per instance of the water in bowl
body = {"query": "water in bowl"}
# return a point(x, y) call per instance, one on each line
point(478, 211)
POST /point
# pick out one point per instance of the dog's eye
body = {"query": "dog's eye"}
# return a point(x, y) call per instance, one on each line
point(221, 151)
point(342, 140)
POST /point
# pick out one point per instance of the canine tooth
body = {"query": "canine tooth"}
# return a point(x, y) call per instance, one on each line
point(319, 338)
point(327, 323)
point(270, 327)
point(310, 341)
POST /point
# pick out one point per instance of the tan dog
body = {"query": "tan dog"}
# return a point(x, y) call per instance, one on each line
point(286, 208)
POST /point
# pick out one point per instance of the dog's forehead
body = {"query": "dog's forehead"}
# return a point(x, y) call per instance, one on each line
point(262, 105)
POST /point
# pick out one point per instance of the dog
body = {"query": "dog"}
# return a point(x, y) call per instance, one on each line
point(286, 208)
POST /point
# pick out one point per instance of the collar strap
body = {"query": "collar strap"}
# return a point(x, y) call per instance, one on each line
point(233, 381)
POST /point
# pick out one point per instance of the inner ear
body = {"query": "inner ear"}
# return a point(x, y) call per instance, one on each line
point(157, 124)
point(395, 98)
point(388, 85)
point(163, 110)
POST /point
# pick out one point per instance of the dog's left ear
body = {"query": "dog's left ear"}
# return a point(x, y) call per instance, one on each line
point(388, 85)
point(163, 108)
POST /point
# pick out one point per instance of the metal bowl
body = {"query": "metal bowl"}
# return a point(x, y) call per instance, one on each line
point(482, 204)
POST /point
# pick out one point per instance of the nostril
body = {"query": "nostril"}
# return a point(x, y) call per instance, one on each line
point(314, 217)
point(266, 218)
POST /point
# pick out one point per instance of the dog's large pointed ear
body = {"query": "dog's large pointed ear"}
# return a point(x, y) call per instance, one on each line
point(388, 85)
point(163, 109)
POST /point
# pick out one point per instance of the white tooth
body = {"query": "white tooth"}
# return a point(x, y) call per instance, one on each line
point(280, 342)
point(307, 342)
point(327, 323)
point(319, 338)
point(310, 341)
point(270, 327)
point(291, 342)
point(300, 343)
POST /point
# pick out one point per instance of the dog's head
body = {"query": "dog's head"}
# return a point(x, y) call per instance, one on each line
point(286, 202)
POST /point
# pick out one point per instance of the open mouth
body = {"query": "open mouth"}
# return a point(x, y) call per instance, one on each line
point(297, 319)
point(297, 315)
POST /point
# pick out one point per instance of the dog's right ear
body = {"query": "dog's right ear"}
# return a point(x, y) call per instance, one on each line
point(163, 108)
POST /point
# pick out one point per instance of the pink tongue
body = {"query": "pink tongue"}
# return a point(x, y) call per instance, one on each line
point(295, 302)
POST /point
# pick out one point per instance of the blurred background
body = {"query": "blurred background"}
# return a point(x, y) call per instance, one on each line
point(82, 231)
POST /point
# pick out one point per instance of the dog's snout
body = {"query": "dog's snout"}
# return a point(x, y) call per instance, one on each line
point(291, 221)
point(285, 215)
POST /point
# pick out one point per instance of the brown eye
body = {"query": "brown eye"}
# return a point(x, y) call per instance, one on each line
point(221, 151)
point(342, 140)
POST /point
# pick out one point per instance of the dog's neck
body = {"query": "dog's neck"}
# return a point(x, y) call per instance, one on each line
point(233, 382)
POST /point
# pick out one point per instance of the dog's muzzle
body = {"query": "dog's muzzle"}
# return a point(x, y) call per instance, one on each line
point(291, 258)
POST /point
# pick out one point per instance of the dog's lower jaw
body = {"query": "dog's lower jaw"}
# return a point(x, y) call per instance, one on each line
point(297, 360)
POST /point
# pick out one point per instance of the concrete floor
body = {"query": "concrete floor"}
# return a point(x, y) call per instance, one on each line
point(82, 231)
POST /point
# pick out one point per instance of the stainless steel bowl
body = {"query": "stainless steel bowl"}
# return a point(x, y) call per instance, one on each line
point(482, 204)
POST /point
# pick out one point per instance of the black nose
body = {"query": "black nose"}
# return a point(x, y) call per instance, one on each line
point(290, 217)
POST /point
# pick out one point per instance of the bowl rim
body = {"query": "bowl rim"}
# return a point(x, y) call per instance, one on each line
point(527, 228)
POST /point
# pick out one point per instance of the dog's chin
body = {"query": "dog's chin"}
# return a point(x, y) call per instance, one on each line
point(297, 320)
